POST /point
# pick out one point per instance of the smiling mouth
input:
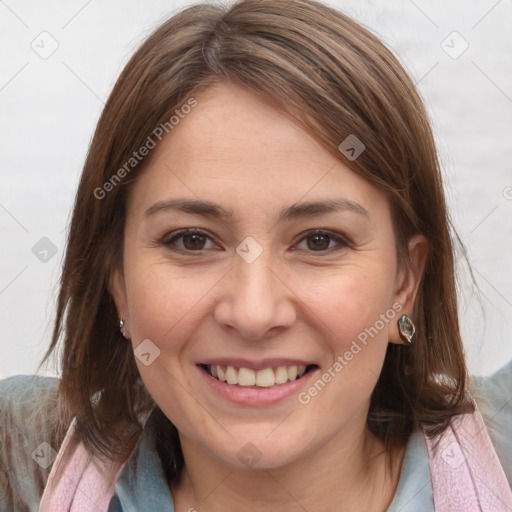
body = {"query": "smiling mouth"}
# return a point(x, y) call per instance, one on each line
point(264, 378)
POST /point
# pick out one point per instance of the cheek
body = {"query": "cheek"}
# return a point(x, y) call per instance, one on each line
point(164, 308)
point(162, 300)
point(355, 306)
point(355, 315)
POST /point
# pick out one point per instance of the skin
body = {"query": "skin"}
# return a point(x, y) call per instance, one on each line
point(295, 300)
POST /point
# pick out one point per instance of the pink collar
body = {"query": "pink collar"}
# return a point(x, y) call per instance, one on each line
point(465, 471)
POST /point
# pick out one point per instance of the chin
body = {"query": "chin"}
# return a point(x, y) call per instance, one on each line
point(261, 451)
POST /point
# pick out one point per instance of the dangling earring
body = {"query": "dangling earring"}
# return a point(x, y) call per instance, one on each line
point(121, 328)
point(406, 329)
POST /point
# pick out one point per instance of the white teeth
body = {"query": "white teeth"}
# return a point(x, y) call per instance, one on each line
point(292, 372)
point(246, 377)
point(264, 378)
point(281, 375)
point(231, 375)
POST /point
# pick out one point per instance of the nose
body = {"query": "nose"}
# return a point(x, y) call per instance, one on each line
point(255, 301)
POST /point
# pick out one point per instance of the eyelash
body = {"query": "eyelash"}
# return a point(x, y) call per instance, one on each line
point(168, 242)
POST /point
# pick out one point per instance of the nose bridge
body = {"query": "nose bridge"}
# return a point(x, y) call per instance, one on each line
point(255, 301)
point(254, 280)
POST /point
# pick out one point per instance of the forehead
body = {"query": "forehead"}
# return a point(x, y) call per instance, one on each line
point(230, 123)
point(236, 149)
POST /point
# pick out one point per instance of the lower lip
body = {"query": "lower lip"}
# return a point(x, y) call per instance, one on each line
point(257, 396)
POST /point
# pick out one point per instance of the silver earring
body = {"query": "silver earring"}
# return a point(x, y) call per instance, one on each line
point(406, 329)
point(121, 328)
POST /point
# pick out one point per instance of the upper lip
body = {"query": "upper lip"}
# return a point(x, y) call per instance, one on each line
point(255, 365)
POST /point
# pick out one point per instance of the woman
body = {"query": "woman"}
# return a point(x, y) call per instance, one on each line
point(257, 303)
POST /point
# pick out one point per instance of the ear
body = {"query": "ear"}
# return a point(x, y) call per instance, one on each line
point(118, 290)
point(408, 281)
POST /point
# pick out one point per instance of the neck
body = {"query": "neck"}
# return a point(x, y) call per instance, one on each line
point(339, 476)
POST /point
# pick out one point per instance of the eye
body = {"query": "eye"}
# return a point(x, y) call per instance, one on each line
point(194, 240)
point(318, 240)
point(191, 240)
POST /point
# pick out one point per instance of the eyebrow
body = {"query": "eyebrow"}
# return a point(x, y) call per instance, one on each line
point(295, 211)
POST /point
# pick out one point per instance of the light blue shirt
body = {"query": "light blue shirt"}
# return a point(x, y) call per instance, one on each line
point(142, 485)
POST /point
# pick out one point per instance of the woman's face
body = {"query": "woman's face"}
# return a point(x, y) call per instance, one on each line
point(256, 296)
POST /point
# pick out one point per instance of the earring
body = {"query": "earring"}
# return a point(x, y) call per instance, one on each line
point(406, 329)
point(121, 328)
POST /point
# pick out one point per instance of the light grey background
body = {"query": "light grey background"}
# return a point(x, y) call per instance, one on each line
point(50, 106)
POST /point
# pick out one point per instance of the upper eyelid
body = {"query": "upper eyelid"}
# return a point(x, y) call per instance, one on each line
point(186, 231)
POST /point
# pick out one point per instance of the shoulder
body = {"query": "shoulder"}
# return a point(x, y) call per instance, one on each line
point(25, 385)
point(28, 404)
point(493, 395)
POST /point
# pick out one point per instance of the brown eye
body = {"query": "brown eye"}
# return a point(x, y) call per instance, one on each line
point(191, 240)
point(319, 241)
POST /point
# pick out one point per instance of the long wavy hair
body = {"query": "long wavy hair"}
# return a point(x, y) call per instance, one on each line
point(333, 78)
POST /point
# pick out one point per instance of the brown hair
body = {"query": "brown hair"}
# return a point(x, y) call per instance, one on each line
point(333, 78)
